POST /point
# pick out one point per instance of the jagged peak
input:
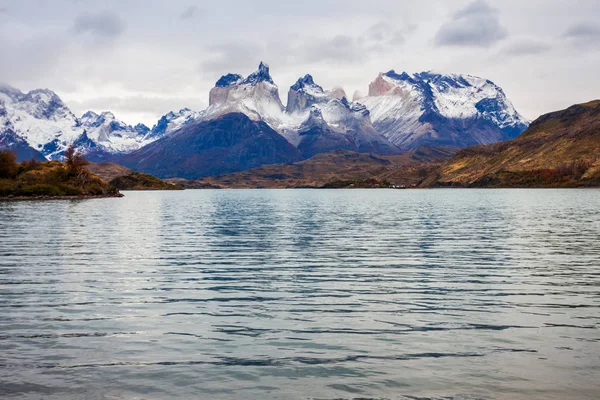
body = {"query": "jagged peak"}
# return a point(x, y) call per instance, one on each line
point(355, 107)
point(404, 76)
point(306, 80)
point(89, 115)
point(261, 75)
point(43, 96)
point(141, 128)
point(229, 80)
point(108, 115)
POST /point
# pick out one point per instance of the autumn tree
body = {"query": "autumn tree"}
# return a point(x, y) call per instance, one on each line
point(8, 164)
point(75, 161)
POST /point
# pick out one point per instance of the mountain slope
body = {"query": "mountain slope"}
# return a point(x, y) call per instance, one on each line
point(22, 150)
point(232, 142)
point(338, 166)
point(559, 149)
point(441, 110)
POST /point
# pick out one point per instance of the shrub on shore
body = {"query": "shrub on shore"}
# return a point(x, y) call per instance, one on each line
point(50, 178)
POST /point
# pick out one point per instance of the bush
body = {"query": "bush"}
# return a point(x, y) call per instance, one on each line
point(30, 165)
point(8, 165)
point(41, 189)
point(8, 187)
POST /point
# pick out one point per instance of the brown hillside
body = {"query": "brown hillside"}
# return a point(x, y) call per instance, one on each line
point(560, 149)
point(335, 167)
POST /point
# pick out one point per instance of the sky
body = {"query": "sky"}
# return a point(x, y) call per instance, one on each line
point(144, 58)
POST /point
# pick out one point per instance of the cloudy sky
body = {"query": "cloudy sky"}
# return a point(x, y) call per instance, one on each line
point(143, 58)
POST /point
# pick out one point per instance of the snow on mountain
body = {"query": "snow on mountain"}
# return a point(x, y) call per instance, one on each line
point(401, 111)
point(112, 135)
point(42, 121)
point(40, 118)
point(171, 122)
point(257, 97)
point(317, 120)
point(442, 109)
point(314, 119)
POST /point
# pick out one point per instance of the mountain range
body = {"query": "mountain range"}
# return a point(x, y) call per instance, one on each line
point(559, 149)
point(247, 125)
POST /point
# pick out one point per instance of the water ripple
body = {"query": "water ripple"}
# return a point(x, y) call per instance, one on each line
point(302, 294)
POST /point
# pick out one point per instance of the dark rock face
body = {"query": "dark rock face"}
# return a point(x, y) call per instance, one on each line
point(229, 143)
point(321, 139)
point(229, 80)
point(262, 75)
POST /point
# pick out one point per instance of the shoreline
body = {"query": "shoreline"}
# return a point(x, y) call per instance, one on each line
point(44, 197)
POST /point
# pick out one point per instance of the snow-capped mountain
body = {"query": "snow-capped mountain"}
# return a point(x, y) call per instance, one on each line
point(41, 121)
point(441, 109)
point(314, 120)
point(40, 118)
point(401, 112)
point(111, 135)
point(318, 121)
point(257, 97)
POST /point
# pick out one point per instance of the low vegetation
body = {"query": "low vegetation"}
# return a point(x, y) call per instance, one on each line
point(139, 181)
point(51, 178)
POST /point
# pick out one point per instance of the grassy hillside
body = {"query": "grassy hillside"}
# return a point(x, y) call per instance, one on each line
point(108, 171)
point(335, 169)
point(125, 179)
point(49, 179)
point(560, 149)
point(138, 181)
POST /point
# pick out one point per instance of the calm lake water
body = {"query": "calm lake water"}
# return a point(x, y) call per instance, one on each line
point(302, 294)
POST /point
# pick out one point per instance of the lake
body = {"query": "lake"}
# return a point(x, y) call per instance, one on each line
point(302, 294)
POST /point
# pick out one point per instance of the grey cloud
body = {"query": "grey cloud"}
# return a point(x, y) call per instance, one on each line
point(383, 33)
point(104, 25)
point(378, 38)
point(38, 56)
point(526, 47)
point(231, 57)
point(584, 30)
point(340, 48)
point(190, 12)
point(477, 25)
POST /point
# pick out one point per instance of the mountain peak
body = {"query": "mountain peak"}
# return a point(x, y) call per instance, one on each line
point(108, 115)
point(229, 80)
point(261, 75)
point(45, 96)
point(399, 77)
point(306, 80)
point(89, 115)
